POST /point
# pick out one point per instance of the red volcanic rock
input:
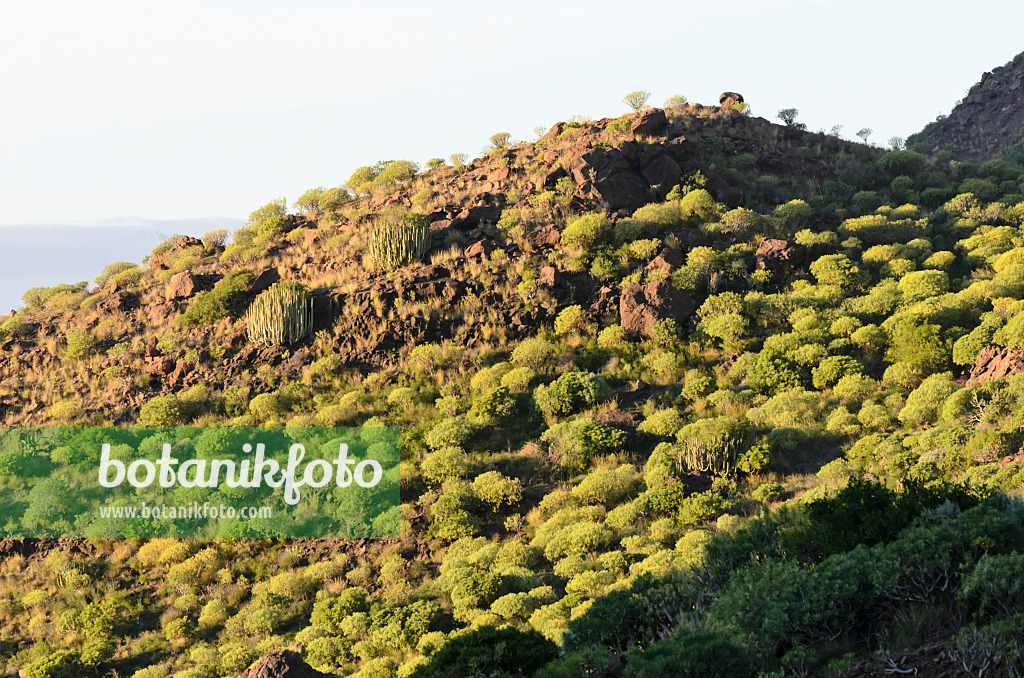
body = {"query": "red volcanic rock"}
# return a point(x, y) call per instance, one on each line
point(640, 307)
point(996, 363)
point(282, 664)
point(778, 256)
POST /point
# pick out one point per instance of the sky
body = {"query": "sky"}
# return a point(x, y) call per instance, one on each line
point(203, 108)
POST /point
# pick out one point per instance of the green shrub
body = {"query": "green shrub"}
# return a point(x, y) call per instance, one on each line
point(490, 651)
point(447, 463)
point(925, 402)
point(128, 278)
point(571, 392)
point(575, 443)
point(449, 432)
point(900, 163)
point(111, 270)
point(633, 615)
point(495, 405)
point(921, 285)
point(56, 664)
point(658, 216)
point(994, 587)
point(79, 344)
point(586, 231)
point(739, 222)
point(690, 653)
point(700, 205)
point(165, 410)
point(835, 270)
point(569, 321)
point(328, 614)
point(608, 487)
point(518, 379)
point(455, 513)
point(663, 423)
point(712, 445)
point(781, 602)
point(830, 370)
point(533, 353)
point(225, 300)
point(496, 490)
point(769, 492)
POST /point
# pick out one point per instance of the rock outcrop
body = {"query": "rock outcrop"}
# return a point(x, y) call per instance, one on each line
point(282, 664)
point(778, 256)
point(996, 363)
point(641, 306)
point(987, 123)
point(729, 99)
point(158, 261)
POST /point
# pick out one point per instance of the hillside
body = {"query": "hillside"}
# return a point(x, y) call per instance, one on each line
point(681, 393)
point(988, 123)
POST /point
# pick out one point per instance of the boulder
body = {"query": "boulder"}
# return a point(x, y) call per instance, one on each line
point(650, 122)
point(727, 99)
point(548, 276)
point(473, 217)
point(641, 306)
point(118, 301)
point(546, 235)
point(778, 256)
point(996, 363)
point(159, 366)
point(157, 313)
point(282, 664)
point(667, 260)
point(264, 280)
point(480, 249)
point(662, 171)
point(181, 285)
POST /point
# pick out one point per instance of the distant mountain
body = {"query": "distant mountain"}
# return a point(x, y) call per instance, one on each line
point(48, 254)
point(987, 123)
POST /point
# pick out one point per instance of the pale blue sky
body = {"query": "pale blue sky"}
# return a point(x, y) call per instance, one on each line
point(196, 108)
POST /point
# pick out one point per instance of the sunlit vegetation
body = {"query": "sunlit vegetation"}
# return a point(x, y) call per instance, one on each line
point(792, 480)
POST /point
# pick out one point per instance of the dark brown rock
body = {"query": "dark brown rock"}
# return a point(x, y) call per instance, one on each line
point(662, 171)
point(546, 235)
point(727, 99)
point(157, 313)
point(548, 276)
point(181, 285)
point(159, 366)
point(650, 122)
point(778, 256)
point(282, 664)
point(996, 363)
point(640, 307)
point(667, 260)
point(480, 249)
point(264, 280)
point(118, 301)
point(475, 216)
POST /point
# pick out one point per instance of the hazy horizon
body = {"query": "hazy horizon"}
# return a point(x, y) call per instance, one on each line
point(46, 254)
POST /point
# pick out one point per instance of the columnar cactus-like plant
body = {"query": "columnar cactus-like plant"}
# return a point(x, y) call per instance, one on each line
point(394, 244)
point(281, 315)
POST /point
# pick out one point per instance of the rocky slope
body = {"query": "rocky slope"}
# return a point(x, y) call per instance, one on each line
point(987, 123)
point(371, 319)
